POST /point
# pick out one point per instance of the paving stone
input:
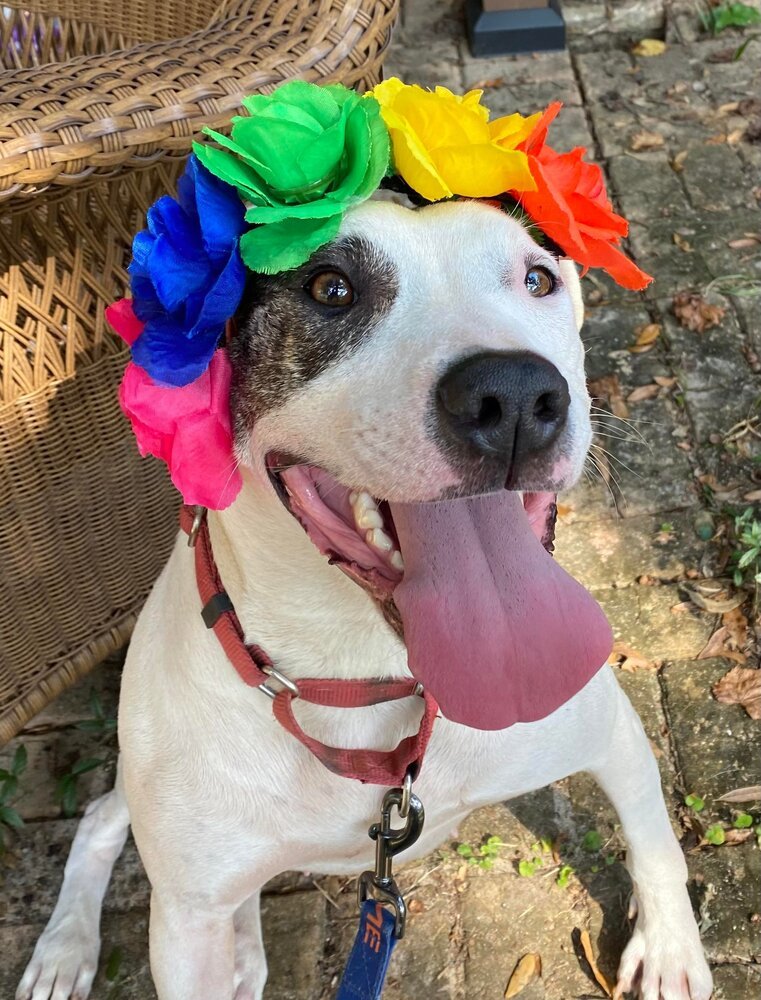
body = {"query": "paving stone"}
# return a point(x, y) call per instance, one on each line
point(617, 553)
point(672, 268)
point(708, 360)
point(714, 411)
point(725, 884)
point(440, 67)
point(637, 17)
point(294, 928)
point(716, 744)
point(643, 618)
point(584, 18)
point(646, 183)
point(538, 67)
point(714, 178)
point(741, 981)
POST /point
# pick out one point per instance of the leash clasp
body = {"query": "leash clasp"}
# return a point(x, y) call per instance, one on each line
point(380, 884)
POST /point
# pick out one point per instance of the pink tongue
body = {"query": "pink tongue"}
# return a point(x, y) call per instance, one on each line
point(495, 629)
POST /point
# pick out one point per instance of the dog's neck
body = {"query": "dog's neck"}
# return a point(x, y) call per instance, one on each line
point(308, 616)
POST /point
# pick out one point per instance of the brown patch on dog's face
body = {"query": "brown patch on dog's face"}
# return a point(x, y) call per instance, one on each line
point(286, 338)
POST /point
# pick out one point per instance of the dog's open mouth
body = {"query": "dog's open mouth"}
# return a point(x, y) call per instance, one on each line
point(494, 627)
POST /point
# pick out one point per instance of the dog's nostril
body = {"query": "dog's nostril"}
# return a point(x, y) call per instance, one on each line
point(548, 407)
point(490, 413)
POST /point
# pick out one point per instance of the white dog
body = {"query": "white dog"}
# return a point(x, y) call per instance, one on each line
point(427, 354)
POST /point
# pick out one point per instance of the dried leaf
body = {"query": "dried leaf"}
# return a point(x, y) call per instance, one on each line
point(642, 141)
point(753, 495)
point(630, 660)
point(736, 135)
point(677, 164)
point(416, 905)
point(600, 979)
point(737, 624)
point(716, 646)
point(729, 108)
point(648, 334)
point(489, 83)
point(643, 392)
point(649, 47)
point(694, 313)
point(665, 381)
point(684, 245)
point(741, 686)
point(608, 390)
point(525, 972)
point(732, 836)
point(744, 243)
point(750, 793)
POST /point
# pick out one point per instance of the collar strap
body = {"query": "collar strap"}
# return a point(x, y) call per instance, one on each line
point(255, 668)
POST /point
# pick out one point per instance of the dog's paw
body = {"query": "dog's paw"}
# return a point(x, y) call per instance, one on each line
point(64, 963)
point(661, 963)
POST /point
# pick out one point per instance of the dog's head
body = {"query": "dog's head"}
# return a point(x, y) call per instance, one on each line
point(426, 356)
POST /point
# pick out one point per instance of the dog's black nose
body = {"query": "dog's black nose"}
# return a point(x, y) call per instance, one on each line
point(503, 406)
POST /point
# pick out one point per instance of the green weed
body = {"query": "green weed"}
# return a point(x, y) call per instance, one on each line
point(483, 855)
point(9, 783)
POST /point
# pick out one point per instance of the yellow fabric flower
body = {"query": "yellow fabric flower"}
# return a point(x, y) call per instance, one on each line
point(445, 144)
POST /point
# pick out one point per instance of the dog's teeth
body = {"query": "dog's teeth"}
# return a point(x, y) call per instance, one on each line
point(397, 561)
point(353, 497)
point(365, 502)
point(369, 518)
point(379, 540)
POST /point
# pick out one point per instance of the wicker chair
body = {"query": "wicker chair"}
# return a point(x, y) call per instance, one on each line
point(99, 103)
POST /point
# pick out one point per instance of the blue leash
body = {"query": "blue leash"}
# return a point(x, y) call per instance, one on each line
point(379, 929)
point(366, 968)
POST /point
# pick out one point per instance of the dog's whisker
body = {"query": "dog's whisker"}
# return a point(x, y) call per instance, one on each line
point(614, 458)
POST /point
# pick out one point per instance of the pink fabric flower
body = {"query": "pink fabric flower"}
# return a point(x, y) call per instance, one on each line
point(188, 427)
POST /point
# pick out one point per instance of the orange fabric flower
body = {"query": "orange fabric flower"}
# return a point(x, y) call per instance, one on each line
point(571, 206)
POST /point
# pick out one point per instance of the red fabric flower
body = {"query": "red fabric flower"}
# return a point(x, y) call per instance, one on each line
point(571, 206)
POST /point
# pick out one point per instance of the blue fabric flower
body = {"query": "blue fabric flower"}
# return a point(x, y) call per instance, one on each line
point(187, 276)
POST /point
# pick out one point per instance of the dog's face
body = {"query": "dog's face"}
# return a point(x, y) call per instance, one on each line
point(423, 354)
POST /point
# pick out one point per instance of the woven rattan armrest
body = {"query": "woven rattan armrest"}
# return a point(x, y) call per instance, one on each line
point(69, 123)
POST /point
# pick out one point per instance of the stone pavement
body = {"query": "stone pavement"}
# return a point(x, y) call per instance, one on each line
point(679, 136)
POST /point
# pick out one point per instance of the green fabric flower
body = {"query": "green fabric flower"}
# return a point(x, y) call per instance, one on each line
point(300, 158)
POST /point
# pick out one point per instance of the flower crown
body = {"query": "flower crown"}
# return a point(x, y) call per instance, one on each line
point(265, 198)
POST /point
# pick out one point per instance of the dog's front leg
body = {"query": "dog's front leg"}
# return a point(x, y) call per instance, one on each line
point(192, 946)
point(664, 959)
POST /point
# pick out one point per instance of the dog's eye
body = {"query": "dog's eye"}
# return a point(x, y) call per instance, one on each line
point(540, 282)
point(331, 288)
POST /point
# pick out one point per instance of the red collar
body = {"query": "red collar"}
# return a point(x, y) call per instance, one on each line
point(254, 667)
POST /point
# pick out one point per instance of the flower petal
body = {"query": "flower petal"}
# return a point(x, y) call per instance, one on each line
point(483, 171)
point(281, 246)
point(122, 318)
point(170, 357)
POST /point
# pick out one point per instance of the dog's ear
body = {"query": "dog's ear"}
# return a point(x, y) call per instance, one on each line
point(570, 276)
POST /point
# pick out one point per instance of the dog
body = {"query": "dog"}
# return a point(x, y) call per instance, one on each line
point(410, 384)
